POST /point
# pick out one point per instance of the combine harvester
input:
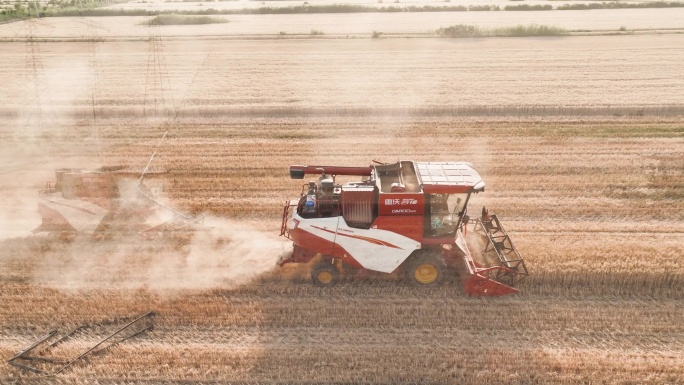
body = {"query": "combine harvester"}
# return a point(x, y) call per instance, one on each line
point(407, 215)
point(106, 202)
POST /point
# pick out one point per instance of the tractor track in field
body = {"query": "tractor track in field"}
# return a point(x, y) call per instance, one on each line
point(259, 333)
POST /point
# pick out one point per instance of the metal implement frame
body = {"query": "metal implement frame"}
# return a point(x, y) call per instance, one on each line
point(177, 223)
point(500, 243)
point(21, 360)
point(287, 208)
point(478, 280)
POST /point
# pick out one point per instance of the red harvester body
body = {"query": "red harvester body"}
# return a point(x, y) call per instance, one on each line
point(407, 215)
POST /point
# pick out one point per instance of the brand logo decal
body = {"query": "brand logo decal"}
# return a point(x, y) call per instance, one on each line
point(405, 201)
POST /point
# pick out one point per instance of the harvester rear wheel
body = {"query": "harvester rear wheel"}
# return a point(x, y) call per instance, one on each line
point(425, 270)
point(325, 274)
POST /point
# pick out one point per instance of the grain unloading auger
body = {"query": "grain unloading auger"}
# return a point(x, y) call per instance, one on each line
point(408, 216)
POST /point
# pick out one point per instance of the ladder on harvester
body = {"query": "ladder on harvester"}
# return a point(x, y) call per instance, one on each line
point(500, 243)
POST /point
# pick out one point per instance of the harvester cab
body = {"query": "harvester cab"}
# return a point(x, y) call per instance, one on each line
point(408, 215)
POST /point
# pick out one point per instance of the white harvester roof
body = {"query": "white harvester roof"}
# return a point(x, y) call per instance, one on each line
point(448, 177)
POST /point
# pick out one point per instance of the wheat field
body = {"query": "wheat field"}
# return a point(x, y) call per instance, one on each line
point(580, 141)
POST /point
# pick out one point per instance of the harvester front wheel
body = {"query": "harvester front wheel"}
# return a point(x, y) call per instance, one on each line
point(425, 270)
point(325, 274)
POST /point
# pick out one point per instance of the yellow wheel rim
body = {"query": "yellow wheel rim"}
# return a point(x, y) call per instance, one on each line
point(325, 277)
point(426, 273)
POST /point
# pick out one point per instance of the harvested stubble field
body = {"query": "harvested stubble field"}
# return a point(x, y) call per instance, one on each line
point(591, 195)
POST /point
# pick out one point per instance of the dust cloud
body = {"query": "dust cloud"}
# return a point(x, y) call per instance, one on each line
point(34, 139)
point(18, 215)
point(49, 129)
point(209, 253)
point(22, 174)
point(219, 253)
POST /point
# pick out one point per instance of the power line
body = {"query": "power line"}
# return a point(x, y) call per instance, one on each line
point(157, 84)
